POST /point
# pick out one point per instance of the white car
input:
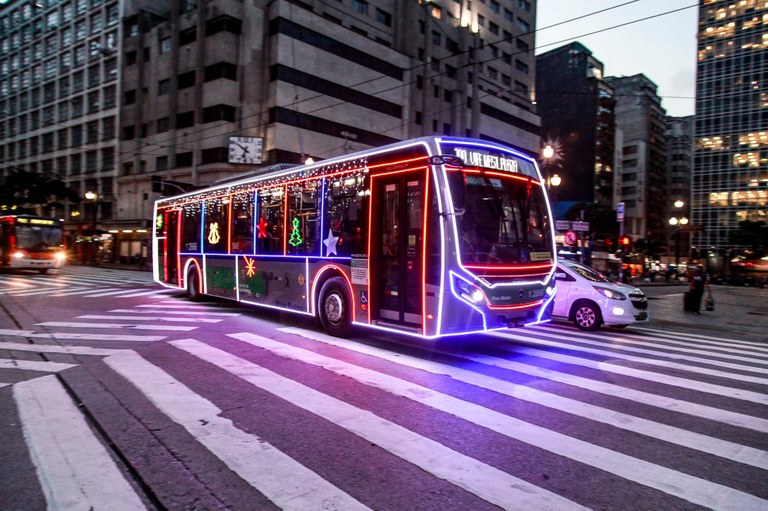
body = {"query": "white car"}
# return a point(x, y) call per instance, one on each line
point(590, 299)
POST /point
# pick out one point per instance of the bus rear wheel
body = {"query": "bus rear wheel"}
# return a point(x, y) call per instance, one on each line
point(193, 286)
point(335, 307)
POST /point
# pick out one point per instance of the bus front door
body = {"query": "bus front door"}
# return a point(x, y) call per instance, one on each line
point(398, 251)
point(171, 259)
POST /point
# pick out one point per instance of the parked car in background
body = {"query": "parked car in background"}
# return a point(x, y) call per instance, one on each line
point(590, 299)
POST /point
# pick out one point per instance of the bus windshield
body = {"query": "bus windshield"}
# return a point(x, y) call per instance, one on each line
point(504, 219)
point(38, 238)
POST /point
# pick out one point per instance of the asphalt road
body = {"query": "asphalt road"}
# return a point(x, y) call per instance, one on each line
point(116, 394)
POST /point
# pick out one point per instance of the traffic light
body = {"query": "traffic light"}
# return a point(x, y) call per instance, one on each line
point(625, 242)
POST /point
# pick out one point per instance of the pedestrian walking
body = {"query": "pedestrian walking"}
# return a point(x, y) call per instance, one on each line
point(699, 283)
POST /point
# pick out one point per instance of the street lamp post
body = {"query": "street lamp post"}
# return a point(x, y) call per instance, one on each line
point(679, 224)
point(92, 197)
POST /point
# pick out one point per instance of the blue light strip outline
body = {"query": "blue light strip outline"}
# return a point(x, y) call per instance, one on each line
point(310, 296)
point(544, 280)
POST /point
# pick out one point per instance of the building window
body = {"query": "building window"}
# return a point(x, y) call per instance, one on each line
point(165, 45)
point(215, 155)
point(163, 125)
point(93, 102)
point(163, 87)
point(521, 66)
point(184, 159)
point(186, 80)
point(223, 23)
point(220, 70)
point(129, 97)
point(107, 159)
point(383, 17)
point(185, 120)
point(187, 36)
point(130, 58)
point(92, 132)
point(219, 113)
point(91, 161)
point(108, 128)
point(76, 135)
point(360, 6)
point(110, 96)
point(161, 163)
point(129, 133)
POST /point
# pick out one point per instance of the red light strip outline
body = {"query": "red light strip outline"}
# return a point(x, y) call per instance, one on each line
point(541, 266)
point(514, 307)
point(352, 305)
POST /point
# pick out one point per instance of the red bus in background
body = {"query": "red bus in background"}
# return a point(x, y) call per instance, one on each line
point(429, 237)
point(29, 242)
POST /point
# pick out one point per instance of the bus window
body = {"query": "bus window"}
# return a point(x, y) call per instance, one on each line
point(303, 215)
point(346, 200)
point(242, 223)
point(190, 227)
point(215, 226)
point(269, 239)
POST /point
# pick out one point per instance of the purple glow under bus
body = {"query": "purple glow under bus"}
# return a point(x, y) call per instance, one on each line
point(430, 237)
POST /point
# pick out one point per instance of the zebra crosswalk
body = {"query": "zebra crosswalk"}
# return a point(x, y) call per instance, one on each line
point(541, 418)
point(83, 282)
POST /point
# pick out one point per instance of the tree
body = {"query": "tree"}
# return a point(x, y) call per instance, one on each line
point(30, 192)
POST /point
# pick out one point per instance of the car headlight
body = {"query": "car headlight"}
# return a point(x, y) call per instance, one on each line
point(610, 293)
point(18, 255)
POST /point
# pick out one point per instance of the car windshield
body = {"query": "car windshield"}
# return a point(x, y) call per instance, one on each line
point(37, 238)
point(588, 273)
point(504, 219)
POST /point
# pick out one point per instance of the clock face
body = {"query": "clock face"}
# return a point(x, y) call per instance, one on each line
point(245, 150)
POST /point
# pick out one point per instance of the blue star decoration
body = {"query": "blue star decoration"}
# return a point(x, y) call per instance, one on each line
point(330, 243)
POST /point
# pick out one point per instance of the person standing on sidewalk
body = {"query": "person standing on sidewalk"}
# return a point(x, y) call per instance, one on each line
point(699, 282)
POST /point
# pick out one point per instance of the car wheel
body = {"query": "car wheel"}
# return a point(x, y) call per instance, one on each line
point(586, 316)
point(335, 307)
point(193, 286)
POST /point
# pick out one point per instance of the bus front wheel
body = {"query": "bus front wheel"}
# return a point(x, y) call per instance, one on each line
point(193, 286)
point(335, 307)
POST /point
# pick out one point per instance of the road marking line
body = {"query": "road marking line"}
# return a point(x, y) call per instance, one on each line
point(672, 482)
point(608, 389)
point(73, 324)
point(698, 337)
point(189, 313)
point(609, 366)
point(81, 337)
point(33, 365)
point(73, 467)
point(151, 318)
point(671, 434)
point(621, 342)
point(286, 482)
point(49, 348)
point(481, 479)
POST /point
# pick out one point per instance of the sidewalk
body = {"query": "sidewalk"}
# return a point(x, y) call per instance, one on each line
point(739, 312)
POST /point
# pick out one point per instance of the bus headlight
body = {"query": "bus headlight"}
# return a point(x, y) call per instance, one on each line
point(18, 255)
point(60, 256)
point(469, 292)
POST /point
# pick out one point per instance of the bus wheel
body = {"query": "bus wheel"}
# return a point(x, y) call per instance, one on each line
point(193, 286)
point(43, 271)
point(335, 307)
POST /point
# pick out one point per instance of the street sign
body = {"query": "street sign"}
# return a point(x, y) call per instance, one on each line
point(572, 225)
point(570, 238)
point(620, 212)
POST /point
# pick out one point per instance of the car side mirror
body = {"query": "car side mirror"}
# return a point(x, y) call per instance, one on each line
point(560, 275)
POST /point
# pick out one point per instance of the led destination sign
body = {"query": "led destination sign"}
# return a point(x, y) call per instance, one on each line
point(489, 161)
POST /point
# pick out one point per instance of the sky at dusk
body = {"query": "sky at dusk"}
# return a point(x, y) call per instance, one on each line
point(663, 47)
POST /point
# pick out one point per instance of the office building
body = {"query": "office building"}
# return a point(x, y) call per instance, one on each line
point(577, 109)
point(642, 182)
point(679, 136)
point(730, 178)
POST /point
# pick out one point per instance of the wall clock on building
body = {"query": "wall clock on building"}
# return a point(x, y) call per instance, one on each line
point(245, 149)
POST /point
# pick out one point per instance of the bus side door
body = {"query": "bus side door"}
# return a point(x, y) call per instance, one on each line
point(398, 248)
point(172, 247)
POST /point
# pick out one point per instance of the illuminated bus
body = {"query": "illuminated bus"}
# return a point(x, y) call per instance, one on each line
point(430, 237)
point(29, 242)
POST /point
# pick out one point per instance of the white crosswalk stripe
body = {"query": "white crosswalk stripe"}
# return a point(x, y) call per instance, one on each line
point(698, 401)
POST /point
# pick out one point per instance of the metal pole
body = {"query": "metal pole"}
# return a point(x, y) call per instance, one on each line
point(677, 248)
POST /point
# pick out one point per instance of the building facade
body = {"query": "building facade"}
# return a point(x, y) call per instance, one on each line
point(59, 80)
point(642, 182)
point(177, 90)
point(730, 178)
point(679, 136)
point(577, 109)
